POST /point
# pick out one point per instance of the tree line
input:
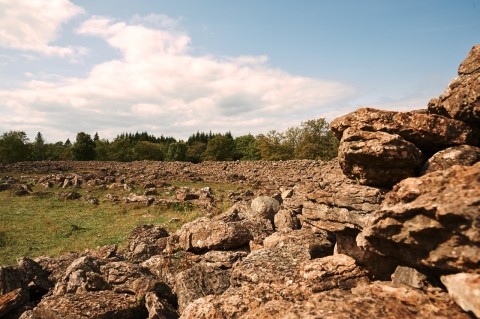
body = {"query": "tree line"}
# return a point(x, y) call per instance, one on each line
point(311, 140)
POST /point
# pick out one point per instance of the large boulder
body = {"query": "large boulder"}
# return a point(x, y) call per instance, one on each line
point(378, 158)
point(430, 222)
point(461, 99)
point(465, 155)
point(430, 133)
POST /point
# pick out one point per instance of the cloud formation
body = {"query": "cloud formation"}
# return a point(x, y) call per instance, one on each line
point(160, 85)
point(33, 25)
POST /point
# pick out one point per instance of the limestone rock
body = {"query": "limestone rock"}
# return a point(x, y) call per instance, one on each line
point(264, 207)
point(318, 243)
point(285, 219)
point(465, 155)
point(461, 99)
point(431, 221)
point(223, 259)
point(276, 266)
point(376, 300)
point(11, 278)
point(129, 278)
point(146, 241)
point(409, 276)
point(428, 132)
point(159, 308)
point(465, 290)
point(81, 276)
point(377, 158)
point(471, 64)
point(199, 281)
point(92, 305)
point(11, 301)
point(334, 202)
point(339, 271)
point(378, 267)
point(237, 302)
point(205, 234)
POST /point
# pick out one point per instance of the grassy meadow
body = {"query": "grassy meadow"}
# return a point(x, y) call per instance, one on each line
point(43, 223)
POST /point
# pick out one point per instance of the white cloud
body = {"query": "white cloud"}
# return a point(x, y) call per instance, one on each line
point(159, 85)
point(32, 25)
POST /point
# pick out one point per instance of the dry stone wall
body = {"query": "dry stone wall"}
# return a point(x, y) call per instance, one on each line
point(374, 234)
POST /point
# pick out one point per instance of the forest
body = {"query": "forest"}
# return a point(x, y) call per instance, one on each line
point(311, 140)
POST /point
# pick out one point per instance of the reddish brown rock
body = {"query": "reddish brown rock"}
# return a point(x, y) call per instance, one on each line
point(159, 308)
point(124, 277)
point(377, 300)
point(409, 276)
point(11, 301)
point(237, 302)
point(377, 158)
point(331, 272)
point(285, 219)
point(465, 290)
point(430, 222)
point(199, 281)
point(428, 132)
point(378, 267)
point(465, 155)
point(81, 276)
point(146, 241)
point(91, 305)
point(461, 99)
point(471, 64)
point(319, 243)
point(205, 234)
point(276, 266)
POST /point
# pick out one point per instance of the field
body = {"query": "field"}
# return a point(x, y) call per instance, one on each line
point(43, 222)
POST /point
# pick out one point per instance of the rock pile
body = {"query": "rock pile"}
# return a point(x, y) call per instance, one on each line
point(391, 229)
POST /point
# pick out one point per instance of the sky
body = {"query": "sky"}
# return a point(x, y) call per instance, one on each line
point(175, 67)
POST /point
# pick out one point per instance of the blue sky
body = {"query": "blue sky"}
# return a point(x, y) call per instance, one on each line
point(175, 67)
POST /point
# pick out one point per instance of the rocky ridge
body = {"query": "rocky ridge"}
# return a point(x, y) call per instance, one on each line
point(390, 230)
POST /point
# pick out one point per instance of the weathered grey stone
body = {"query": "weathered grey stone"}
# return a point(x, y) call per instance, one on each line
point(264, 207)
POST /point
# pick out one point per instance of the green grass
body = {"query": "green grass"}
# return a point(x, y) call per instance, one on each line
point(48, 225)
